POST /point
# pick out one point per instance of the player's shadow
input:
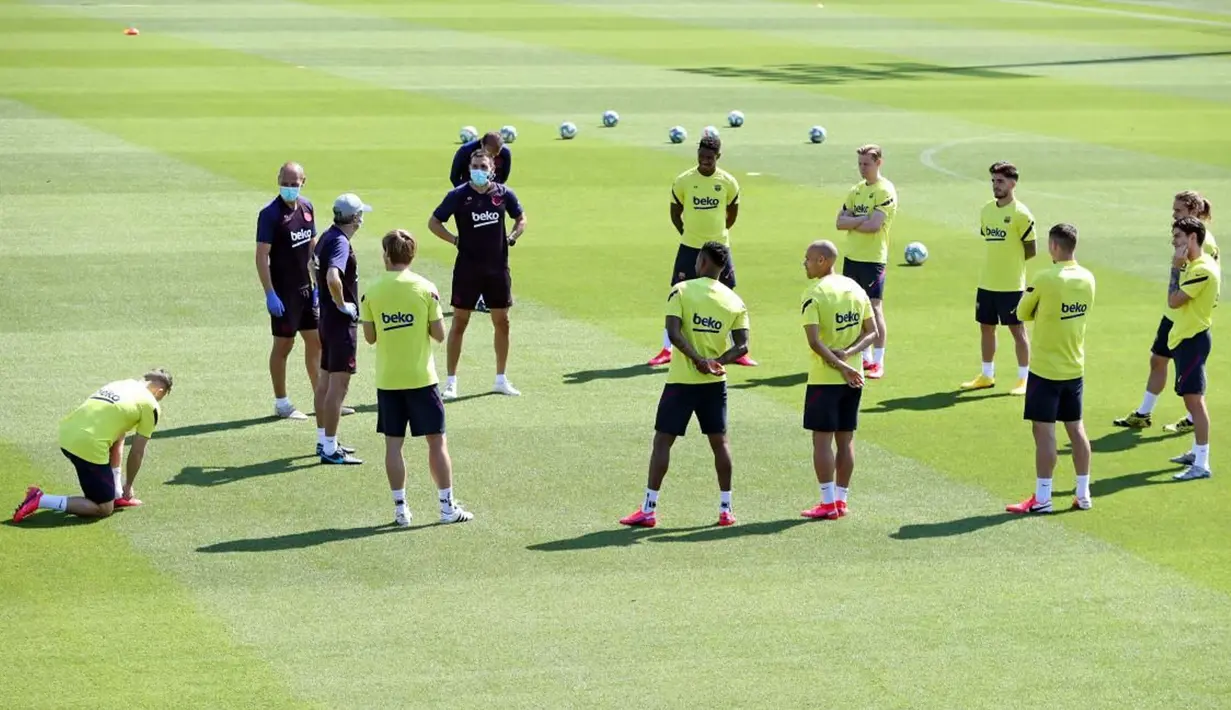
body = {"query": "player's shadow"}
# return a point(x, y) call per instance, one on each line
point(930, 402)
point(715, 533)
point(620, 373)
point(298, 541)
point(235, 424)
point(615, 537)
point(1102, 487)
point(45, 519)
point(793, 380)
point(1110, 443)
point(465, 397)
point(949, 528)
point(208, 476)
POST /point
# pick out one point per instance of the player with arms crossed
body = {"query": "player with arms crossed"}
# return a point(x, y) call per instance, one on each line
point(338, 270)
point(702, 317)
point(92, 438)
point(1058, 300)
point(1185, 204)
point(481, 270)
point(1007, 227)
point(704, 207)
point(1193, 294)
point(838, 325)
point(866, 217)
point(401, 316)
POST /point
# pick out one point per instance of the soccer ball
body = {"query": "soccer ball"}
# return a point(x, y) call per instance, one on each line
point(817, 134)
point(916, 254)
point(568, 130)
point(678, 134)
point(709, 132)
point(468, 133)
point(509, 134)
point(735, 119)
point(610, 119)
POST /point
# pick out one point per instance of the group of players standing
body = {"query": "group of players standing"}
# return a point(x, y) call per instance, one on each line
point(706, 323)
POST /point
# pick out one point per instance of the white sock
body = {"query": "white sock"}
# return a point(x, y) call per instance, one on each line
point(867, 355)
point(1202, 453)
point(1147, 403)
point(118, 476)
point(399, 497)
point(282, 402)
point(841, 493)
point(878, 356)
point(451, 381)
point(1023, 372)
point(1083, 485)
point(59, 503)
point(331, 445)
point(650, 504)
point(500, 380)
point(989, 369)
point(445, 496)
point(666, 341)
point(320, 436)
point(1042, 490)
point(827, 493)
point(724, 500)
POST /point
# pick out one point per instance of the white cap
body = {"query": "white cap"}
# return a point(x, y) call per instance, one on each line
point(349, 205)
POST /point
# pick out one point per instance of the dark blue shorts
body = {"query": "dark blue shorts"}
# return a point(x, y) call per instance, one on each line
point(1189, 359)
point(997, 307)
point(339, 344)
point(299, 313)
point(832, 408)
point(97, 481)
point(1159, 347)
point(870, 276)
point(686, 268)
point(1051, 401)
point(470, 283)
point(679, 402)
point(421, 409)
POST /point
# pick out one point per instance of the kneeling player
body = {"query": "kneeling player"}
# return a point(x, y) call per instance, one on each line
point(701, 314)
point(838, 324)
point(92, 438)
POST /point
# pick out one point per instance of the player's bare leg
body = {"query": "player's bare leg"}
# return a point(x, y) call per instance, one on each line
point(453, 350)
point(1198, 459)
point(1140, 418)
point(81, 507)
point(312, 355)
point(844, 466)
point(1044, 467)
point(721, 446)
point(278, 355)
point(441, 467)
point(500, 324)
point(874, 362)
point(1021, 346)
point(987, 351)
point(824, 463)
point(1080, 443)
point(660, 460)
point(329, 395)
point(395, 471)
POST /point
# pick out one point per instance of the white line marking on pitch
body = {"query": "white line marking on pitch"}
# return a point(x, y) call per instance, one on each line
point(1121, 13)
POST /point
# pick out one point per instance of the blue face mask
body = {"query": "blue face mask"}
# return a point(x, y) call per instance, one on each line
point(290, 194)
point(479, 177)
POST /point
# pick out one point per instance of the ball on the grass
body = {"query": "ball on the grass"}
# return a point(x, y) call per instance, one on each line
point(509, 134)
point(610, 119)
point(468, 133)
point(677, 134)
point(916, 253)
point(817, 134)
point(735, 119)
point(568, 130)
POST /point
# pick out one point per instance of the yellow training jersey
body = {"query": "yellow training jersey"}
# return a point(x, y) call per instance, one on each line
point(838, 307)
point(705, 201)
point(1058, 300)
point(402, 304)
point(1006, 231)
point(709, 312)
point(863, 200)
point(1210, 248)
point(1201, 281)
point(106, 417)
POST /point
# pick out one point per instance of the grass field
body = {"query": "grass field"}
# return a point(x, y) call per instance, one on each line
point(131, 171)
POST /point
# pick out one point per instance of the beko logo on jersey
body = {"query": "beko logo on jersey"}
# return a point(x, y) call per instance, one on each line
point(300, 236)
point(993, 233)
point(1072, 310)
point(705, 203)
point(106, 395)
point(393, 321)
point(482, 219)
point(706, 324)
point(850, 319)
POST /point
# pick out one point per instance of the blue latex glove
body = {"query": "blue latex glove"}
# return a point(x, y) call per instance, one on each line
point(316, 299)
point(274, 304)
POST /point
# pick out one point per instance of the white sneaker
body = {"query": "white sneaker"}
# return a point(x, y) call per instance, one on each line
point(459, 515)
point(1082, 503)
point(506, 388)
point(345, 411)
point(450, 391)
point(289, 412)
point(402, 516)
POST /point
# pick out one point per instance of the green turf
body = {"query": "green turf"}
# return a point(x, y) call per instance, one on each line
point(130, 173)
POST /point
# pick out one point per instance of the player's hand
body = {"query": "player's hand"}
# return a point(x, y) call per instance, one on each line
point(840, 354)
point(274, 304)
point(1179, 259)
point(853, 377)
point(350, 309)
point(711, 367)
point(512, 241)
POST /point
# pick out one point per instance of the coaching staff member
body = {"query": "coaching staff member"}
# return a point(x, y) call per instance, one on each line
point(493, 145)
point(481, 270)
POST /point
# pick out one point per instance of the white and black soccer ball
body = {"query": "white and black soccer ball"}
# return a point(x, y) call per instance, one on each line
point(509, 134)
point(468, 133)
point(677, 134)
point(735, 119)
point(568, 130)
point(916, 254)
point(817, 134)
point(610, 119)
point(709, 132)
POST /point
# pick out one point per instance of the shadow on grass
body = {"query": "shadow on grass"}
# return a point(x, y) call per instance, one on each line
point(619, 373)
point(792, 380)
point(44, 519)
point(930, 402)
point(627, 537)
point(1110, 443)
point(235, 424)
point(949, 528)
point(714, 534)
point(207, 476)
point(298, 541)
point(467, 397)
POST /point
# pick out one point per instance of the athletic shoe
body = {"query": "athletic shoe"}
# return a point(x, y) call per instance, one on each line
point(402, 516)
point(1019, 389)
point(746, 361)
point(1135, 420)
point(289, 412)
point(127, 502)
point(640, 519)
point(824, 511)
point(1187, 458)
point(340, 458)
point(481, 307)
point(841, 508)
point(459, 515)
point(1082, 503)
point(320, 449)
point(1028, 506)
point(450, 391)
point(981, 382)
point(1184, 426)
point(347, 411)
point(662, 358)
point(873, 371)
point(1192, 473)
point(506, 388)
point(34, 496)
point(725, 518)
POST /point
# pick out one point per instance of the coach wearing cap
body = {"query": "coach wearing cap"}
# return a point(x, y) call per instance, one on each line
point(494, 146)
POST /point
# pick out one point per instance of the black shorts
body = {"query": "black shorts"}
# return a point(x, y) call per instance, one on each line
point(299, 313)
point(1051, 401)
point(686, 268)
point(338, 347)
point(870, 276)
point(1189, 358)
point(470, 284)
point(421, 409)
point(997, 307)
point(679, 402)
point(97, 481)
point(831, 407)
point(1159, 347)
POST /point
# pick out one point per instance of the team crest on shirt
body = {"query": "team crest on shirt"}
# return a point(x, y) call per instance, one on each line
point(1008, 220)
point(497, 200)
point(718, 188)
